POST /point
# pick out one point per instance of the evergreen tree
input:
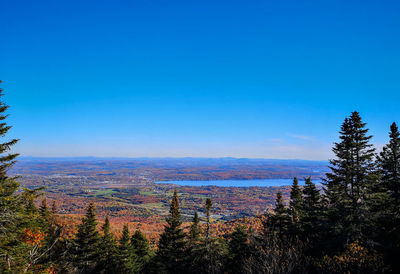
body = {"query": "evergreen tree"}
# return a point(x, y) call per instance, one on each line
point(348, 182)
point(171, 247)
point(125, 253)
point(385, 201)
point(312, 213)
point(195, 230)
point(141, 250)
point(389, 162)
point(207, 208)
point(280, 220)
point(194, 244)
point(54, 208)
point(210, 254)
point(295, 207)
point(108, 246)
point(239, 250)
point(10, 206)
point(44, 210)
point(87, 242)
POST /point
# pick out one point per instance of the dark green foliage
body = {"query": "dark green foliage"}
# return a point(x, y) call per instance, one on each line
point(108, 247)
point(280, 220)
point(348, 182)
point(389, 162)
point(10, 203)
point(44, 210)
point(207, 209)
point(195, 230)
point(312, 208)
point(141, 251)
point(386, 199)
point(87, 242)
point(125, 253)
point(239, 250)
point(172, 245)
point(296, 200)
point(210, 255)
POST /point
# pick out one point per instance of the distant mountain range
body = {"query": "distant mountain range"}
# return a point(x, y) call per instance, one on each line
point(188, 168)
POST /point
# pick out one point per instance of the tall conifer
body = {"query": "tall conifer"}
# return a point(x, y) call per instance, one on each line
point(172, 245)
point(239, 250)
point(10, 207)
point(389, 161)
point(108, 246)
point(141, 250)
point(348, 182)
point(295, 207)
point(386, 205)
point(312, 211)
point(125, 253)
point(280, 220)
point(195, 230)
point(87, 242)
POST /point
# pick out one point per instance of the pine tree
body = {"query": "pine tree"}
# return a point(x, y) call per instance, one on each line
point(347, 184)
point(195, 230)
point(195, 243)
point(280, 220)
point(295, 207)
point(141, 250)
point(389, 162)
point(10, 207)
point(87, 241)
point(54, 208)
point(312, 212)
point(108, 246)
point(171, 247)
point(207, 208)
point(125, 253)
point(44, 212)
point(211, 253)
point(385, 200)
point(239, 250)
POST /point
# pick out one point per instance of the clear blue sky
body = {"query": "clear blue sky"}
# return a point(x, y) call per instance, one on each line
point(270, 79)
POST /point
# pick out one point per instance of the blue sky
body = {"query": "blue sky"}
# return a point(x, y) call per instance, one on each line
point(267, 79)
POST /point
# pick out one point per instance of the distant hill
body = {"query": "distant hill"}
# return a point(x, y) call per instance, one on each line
point(173, 168)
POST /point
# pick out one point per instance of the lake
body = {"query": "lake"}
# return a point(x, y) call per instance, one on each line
point(238, 183)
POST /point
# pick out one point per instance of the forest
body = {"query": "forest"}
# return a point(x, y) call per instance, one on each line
point(351, 225)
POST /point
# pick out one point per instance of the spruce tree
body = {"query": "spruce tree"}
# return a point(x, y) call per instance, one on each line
point(87, 241)
point(54, 208)
point(141, 250)
point(10, 207)
point(211, 253)
point(385, 201)
point(172, 245)
point(348, 182)
point(207, 208)
point(312, 219)
point(239, 250)
point(45, 215)
point(389, 162)
point(280, 220)
point(125, 253)
point(108, 246)
point(195, 243)
point(295, 207)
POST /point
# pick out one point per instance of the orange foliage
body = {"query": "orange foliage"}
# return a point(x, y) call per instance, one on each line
point(33, 238)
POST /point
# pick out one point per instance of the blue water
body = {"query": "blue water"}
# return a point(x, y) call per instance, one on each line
point(237, 183)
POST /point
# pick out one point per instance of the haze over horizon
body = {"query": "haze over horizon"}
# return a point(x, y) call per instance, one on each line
point(197, 78)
